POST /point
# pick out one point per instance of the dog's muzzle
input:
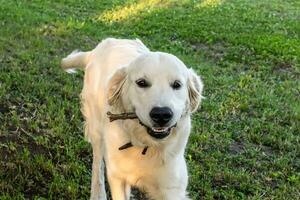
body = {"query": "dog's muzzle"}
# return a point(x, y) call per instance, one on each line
point(156, 132)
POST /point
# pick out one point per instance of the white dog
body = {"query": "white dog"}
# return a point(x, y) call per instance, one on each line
point(124, 76)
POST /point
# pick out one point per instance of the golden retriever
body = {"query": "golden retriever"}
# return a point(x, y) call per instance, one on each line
point(124, 76)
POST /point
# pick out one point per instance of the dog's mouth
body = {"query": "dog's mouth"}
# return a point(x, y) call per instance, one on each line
point(158, 132)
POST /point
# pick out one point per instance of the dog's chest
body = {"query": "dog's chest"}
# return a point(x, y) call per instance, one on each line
point(130, 164)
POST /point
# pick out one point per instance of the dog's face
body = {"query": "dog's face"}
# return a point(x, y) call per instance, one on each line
point(159, 89)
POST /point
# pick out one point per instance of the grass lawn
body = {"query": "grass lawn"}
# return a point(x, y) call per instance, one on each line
point(245, 142)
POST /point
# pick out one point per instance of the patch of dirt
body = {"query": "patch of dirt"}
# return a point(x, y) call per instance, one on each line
point(283, 67)
point(237, 147)
point(3, 108)
point(287, 70)
point(216, 51)
point(265, 149)
point(218, 180)
point(16, 141)
point(269, 182)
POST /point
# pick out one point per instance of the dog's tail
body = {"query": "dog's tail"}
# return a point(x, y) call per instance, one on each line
point(77, 59)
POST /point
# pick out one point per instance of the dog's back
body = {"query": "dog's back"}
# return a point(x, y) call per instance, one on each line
point(114, 52)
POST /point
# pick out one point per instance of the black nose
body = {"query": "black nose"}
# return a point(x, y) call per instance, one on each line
point(161, 115)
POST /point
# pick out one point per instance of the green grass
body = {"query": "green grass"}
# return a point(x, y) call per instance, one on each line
point(245, 142)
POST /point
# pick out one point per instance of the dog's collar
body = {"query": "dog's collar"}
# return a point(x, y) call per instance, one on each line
point(129, 144)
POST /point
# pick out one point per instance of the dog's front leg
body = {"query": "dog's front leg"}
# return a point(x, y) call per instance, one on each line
point(118, 189)
point(98, 183)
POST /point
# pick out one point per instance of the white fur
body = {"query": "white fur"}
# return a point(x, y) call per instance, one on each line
point(111, 70)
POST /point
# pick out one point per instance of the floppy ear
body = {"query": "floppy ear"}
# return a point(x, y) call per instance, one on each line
point(195, 87)
point(115, 87)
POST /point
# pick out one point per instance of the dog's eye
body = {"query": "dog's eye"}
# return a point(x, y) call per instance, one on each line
point(142, 83)
point(176, 85)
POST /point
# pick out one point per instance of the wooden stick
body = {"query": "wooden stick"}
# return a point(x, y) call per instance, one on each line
point(129, 144)
point(121, 116)
point(125, 146)
point(144, 150)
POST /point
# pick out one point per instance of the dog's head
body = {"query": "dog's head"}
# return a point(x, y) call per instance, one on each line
point(159, 88)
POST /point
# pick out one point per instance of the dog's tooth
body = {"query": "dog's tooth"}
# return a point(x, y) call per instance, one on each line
point(159, 129)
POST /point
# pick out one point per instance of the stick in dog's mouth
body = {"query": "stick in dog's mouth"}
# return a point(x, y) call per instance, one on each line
point(158, 133)
point(121, 116)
